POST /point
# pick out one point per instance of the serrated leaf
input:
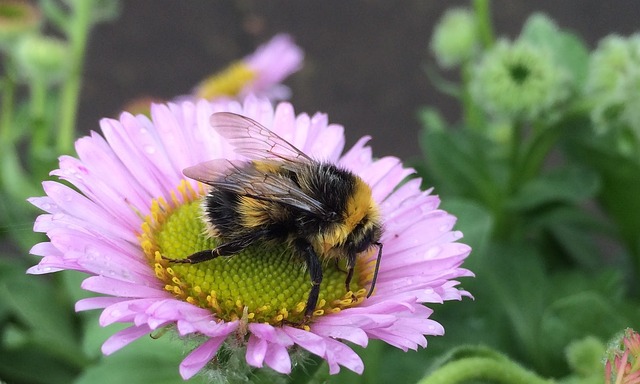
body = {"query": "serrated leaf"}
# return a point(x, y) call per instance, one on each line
point(572, 317)
point(578, 244)
point(620, 185)
point(570, 184)
point(475, 222)
point(459, 163)
point(518, 285)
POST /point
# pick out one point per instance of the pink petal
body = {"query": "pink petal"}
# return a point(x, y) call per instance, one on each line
point(130, 155)
point(94, 187)
point(270, 333)
point(99, 158)
point(353, 334)
point(197, 359)
point(97, 302)
point(339, 354)
point(79, 206)
point(107, 286)
point(307, 340)
point(278, 359)
point(358, 157)
point(124, 311)
point(256, 351)
point(123, 337)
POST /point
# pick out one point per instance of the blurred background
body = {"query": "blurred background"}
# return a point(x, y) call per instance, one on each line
point(364, 60)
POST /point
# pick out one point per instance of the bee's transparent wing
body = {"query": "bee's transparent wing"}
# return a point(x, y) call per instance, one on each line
point(243, 178)
point(253, 140)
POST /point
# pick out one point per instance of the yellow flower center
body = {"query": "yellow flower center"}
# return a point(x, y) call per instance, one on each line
point(263, 283)
point(229, 82)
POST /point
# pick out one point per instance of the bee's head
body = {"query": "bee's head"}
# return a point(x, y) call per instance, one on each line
point(365, 234)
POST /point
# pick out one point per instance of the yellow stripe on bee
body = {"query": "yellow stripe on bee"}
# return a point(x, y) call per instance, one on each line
point(358, 204)
point(254, 212)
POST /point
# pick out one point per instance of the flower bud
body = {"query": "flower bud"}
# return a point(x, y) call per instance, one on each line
point(454, 38)
point(42, 57)
point(518, 81)
point(613, 83)
point(16, 19)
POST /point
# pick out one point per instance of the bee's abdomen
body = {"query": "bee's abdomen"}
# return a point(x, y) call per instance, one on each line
point(221, 212)
point(231, 215)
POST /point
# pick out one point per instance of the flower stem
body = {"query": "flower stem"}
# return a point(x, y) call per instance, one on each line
point(40, 135)
point(483, 17)
point(483, 368)
point(6, 108)
point(79, 24)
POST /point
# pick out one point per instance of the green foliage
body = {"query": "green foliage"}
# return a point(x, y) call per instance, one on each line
point(550, 203)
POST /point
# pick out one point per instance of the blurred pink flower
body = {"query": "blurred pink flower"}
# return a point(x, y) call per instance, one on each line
point(260, 73)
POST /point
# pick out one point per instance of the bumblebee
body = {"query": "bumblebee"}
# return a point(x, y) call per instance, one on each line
point(279, 194)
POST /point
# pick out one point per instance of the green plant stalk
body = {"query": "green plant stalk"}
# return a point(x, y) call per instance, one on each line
point(472, 115)
point(78, 31)
point(483, 17)
point(6, 108)
point(41, 134)
point(483, 368)
point(12, 180)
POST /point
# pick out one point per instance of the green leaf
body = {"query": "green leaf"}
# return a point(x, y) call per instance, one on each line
point(620, 185)
point(568, 50)
point(46, 318)
point(145, 360)
point(30, 363)
point(431, 119)
point(571, 184)
point(474, 221)
point(517, 288)
point(575, 316)
point(458, 161)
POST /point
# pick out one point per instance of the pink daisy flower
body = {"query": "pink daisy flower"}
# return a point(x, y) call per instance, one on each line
point(131, 203)
point(260, 73)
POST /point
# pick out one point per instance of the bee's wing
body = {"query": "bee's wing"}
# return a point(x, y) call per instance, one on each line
point(253, 140)
point(244, 179)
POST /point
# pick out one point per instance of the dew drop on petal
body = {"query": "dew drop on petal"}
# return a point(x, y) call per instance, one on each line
point(115, 313)
point(92, 253)
point(432, 252)
point(150, 149)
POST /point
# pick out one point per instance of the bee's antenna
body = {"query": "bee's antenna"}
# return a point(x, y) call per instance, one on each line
point(375, 271)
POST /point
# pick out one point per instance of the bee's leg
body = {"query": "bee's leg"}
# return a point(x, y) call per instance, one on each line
point(351, 263)
point(315, 272)
point(338, 265)
point(226, 249)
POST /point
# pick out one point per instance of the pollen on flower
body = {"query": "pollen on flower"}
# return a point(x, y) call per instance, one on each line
point(229, 82)
point(269, 283)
